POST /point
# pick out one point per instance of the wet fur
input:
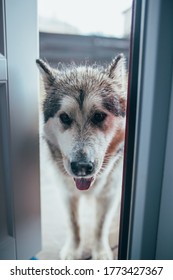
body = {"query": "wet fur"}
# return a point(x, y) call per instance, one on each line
point(81, 91)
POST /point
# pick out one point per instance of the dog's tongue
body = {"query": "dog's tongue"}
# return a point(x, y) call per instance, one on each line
point(82, 183)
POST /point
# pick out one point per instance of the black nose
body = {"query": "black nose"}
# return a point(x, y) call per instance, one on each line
point(82, 168)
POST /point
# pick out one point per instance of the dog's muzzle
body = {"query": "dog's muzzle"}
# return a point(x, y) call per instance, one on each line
point(82, 168)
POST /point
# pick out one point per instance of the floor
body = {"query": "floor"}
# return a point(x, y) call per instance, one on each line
point(53, 227)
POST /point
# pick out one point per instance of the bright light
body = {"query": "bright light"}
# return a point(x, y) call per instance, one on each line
point(88, 16)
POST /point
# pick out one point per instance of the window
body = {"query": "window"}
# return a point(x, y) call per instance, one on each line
point(77, 35)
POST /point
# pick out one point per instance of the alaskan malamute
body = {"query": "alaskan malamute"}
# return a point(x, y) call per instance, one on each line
point(84, 126)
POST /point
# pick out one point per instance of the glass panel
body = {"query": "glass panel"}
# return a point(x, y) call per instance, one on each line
point(83, 122)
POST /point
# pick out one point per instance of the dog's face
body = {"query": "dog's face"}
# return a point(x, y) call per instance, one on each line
point(84, 113)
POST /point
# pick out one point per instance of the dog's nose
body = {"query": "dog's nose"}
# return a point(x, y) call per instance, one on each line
point(82, 168)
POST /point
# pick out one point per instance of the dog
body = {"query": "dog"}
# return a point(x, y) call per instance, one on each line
point(84, 113)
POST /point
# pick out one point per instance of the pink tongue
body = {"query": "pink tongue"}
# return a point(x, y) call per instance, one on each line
point(83, 184)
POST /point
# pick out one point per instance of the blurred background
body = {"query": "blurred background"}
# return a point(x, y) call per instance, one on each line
point(77, 30)
point(74, 30)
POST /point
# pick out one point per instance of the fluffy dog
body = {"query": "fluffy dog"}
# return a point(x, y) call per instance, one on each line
point(84, 126)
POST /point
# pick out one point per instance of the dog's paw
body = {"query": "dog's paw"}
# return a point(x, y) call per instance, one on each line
point(68, 253)
point(83, 254)
point(103, 253)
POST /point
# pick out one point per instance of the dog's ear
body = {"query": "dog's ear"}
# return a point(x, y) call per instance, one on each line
point(48, 73)
point(117, 71)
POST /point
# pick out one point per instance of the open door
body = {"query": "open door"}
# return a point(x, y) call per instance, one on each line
point(20, 223)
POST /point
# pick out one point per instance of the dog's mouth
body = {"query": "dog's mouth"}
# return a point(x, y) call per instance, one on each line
point(83, 184)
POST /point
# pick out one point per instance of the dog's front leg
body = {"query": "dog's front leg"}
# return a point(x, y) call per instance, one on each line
point(68, 252)
point(102, 249)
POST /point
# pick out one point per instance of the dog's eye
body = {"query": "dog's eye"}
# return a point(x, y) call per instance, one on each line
point(98, 117)
point(65, 119)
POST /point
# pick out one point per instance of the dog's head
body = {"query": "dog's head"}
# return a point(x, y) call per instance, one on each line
point(84, 112)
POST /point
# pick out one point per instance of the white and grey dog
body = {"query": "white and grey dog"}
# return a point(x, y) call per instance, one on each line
point(84, 126)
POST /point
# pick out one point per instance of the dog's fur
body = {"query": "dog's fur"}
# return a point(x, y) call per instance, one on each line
point(84, 125)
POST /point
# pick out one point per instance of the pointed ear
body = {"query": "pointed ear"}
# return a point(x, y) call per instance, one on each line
point(117, 71)
point(48, 73)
